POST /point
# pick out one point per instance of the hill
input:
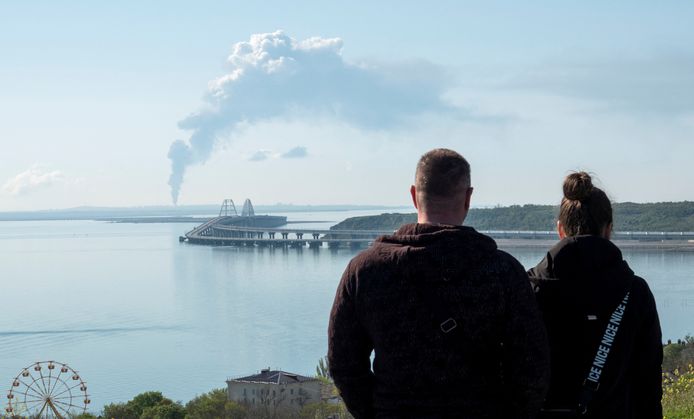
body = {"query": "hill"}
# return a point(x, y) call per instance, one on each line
point(628, 216)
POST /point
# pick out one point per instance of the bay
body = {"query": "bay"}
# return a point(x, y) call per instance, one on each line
point(133, 309)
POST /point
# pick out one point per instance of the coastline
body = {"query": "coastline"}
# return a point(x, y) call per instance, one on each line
point(666, 245)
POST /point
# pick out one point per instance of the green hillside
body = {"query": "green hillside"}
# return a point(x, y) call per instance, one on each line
point(662, 216)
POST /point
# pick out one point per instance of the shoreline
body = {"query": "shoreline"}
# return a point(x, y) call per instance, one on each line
point(666, 245)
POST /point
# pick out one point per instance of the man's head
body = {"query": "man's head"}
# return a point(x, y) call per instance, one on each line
point(441, 191)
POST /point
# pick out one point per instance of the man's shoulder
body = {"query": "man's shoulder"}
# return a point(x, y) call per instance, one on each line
point(501, 262)
point(377, 255)
point(384, 256)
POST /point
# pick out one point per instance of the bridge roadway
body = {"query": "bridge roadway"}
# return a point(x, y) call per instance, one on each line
point(213, 232)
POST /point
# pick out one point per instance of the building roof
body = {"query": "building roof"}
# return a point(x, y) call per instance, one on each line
point(273, 377)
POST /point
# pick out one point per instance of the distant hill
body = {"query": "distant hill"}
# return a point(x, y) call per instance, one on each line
point(174, 213)
point(662, 216)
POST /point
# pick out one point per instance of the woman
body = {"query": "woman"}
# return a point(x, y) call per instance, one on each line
point(601, 319)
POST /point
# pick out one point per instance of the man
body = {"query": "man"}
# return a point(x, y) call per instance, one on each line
point(452, 320)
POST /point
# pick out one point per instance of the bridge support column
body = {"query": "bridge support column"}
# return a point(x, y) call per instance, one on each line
point(271, 234)
point(285, 236)
point(300, 236)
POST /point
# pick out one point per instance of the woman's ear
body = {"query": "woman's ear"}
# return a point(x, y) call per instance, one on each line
point(560, 230)
point(607, 231)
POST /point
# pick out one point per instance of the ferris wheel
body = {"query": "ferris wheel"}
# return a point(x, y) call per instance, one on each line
point(47, 389)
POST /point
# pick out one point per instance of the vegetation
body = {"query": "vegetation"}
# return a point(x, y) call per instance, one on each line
point(678, 379)
point(215, 405)
point(628, 216)
point(678, 397)
point(322, 370)
point(148, 405)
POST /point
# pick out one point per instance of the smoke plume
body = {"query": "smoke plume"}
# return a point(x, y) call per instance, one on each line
point(273, 75)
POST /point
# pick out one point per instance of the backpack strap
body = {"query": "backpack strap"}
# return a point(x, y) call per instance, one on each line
point(592, 381)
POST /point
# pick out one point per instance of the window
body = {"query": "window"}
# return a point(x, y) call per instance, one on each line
point(291, 391)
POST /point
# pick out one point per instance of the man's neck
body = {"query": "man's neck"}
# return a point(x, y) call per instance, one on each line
point(446, 219)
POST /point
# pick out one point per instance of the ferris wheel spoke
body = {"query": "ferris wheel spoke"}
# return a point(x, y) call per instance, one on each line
point(67, 409)
point(68, 398)
point(34, 406)
point(57, 379)
point(43, 383)
point(50, 374)
point(30, 387)
point(34, 380)
point(59, 382)
point(63, 408)
point(69, 389)
point(32, 399)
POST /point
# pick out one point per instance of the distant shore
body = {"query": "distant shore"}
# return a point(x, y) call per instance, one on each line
point(666, 245)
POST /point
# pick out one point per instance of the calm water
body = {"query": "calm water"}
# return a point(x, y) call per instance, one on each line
point(133, 309)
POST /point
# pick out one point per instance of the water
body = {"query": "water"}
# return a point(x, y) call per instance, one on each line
point(133, 309)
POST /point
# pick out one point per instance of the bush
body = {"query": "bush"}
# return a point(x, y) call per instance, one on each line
point(678, 394)
point(164, 410)
point(147, 405)
point(214, 405)
point(679, 354)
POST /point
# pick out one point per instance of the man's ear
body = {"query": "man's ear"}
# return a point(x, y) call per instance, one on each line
point(413, 192)
point(560, 230)
point(468, 198)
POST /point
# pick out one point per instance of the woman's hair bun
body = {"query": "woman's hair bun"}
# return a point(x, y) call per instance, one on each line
point(578, 186)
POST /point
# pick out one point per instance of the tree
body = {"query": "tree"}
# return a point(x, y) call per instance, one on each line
point(119, 411)
point(144, 400)
point(322, 369)
point(147, 405)
point(164, 410)
point(324, 410)
point(214, 405)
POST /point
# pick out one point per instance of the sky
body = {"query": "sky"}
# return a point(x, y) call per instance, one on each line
point(151, 103)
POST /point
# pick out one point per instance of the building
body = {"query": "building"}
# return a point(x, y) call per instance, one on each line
point(275, 390)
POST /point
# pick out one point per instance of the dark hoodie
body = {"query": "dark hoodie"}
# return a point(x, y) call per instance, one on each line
point(453, 324)
point(579, 284)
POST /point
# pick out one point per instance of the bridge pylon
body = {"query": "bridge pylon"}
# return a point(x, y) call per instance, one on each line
point(247, 210)
point(228, 209)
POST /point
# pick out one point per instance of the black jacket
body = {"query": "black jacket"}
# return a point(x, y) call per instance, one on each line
point(453, 324)
point(579, 284)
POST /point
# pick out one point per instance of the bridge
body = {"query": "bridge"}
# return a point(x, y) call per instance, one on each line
point(229, 229)
point(217, 232)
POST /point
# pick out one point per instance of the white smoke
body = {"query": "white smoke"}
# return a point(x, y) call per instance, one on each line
point(274, 75)
point(34, 178)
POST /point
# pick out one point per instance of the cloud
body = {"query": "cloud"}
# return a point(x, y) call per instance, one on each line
point(32, 179)
point(260, 155)
point(273, 75)
point(656, 84)
point(295, 153)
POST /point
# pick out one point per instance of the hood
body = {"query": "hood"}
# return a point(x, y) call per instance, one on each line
point(581, 255)
point(449, 247)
